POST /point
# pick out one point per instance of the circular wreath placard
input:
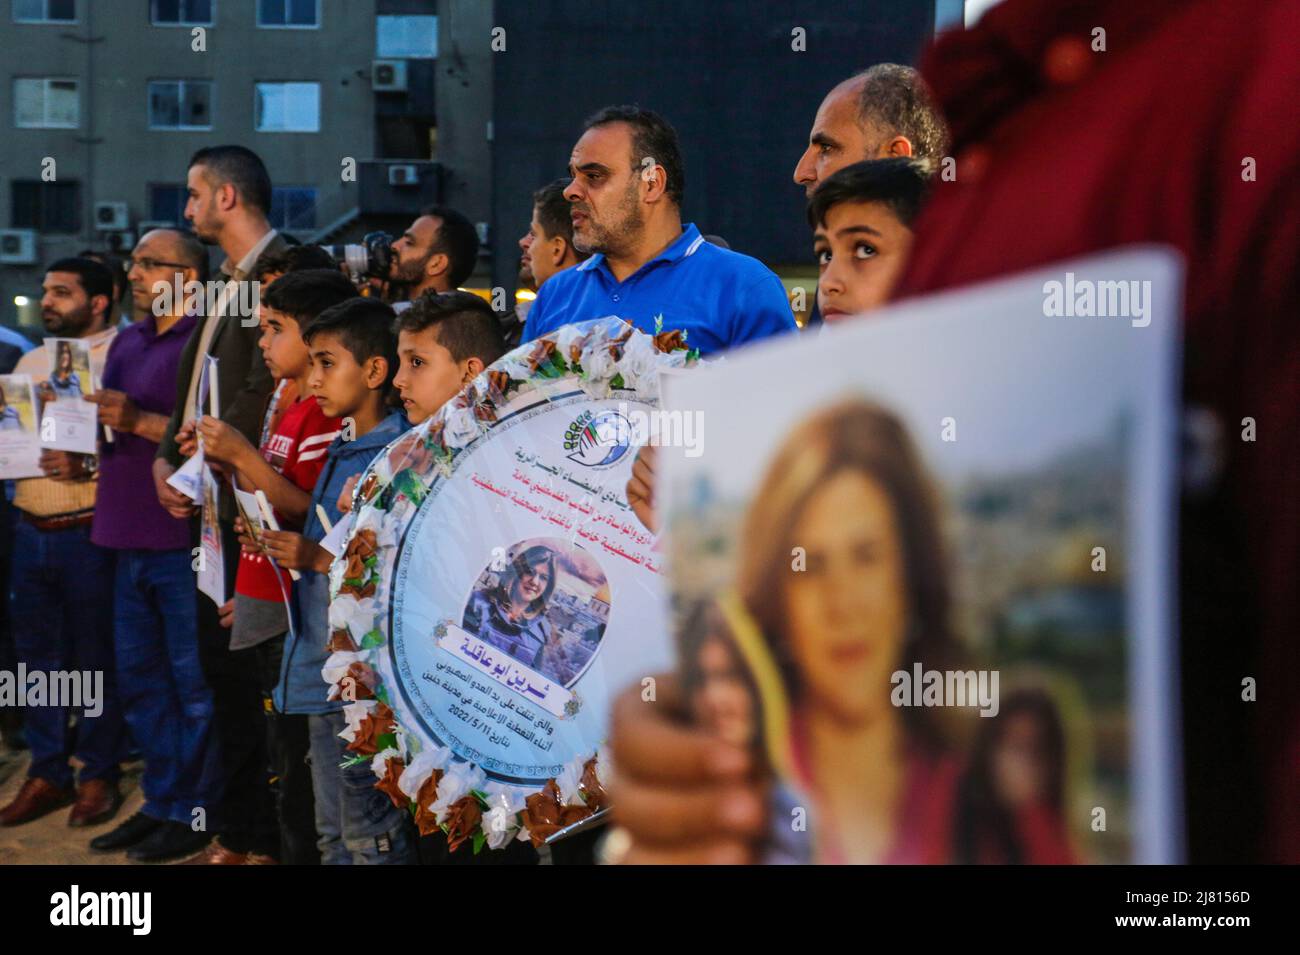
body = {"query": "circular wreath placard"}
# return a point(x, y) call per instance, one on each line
point(496, 589)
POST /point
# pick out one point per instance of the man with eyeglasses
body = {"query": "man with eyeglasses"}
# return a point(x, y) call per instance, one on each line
point(166, 699)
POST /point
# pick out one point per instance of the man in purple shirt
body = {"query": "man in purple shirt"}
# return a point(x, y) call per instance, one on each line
point(167, 702)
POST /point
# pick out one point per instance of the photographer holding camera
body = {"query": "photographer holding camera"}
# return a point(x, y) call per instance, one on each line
point(437, 253)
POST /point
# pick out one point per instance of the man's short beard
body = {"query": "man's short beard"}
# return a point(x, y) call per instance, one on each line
point(621, 236)
point(410, 274)
point(68, 326)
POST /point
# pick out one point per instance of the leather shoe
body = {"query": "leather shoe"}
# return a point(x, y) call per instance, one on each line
point(37, 798)
point(97, 801)
point(217, 854)
point(171, 840)
point(132, 832)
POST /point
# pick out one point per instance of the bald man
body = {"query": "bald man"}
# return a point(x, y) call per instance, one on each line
point(155, 622)
point(880, 113)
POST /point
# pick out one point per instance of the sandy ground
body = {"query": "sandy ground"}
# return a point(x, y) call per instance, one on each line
point(49, 840)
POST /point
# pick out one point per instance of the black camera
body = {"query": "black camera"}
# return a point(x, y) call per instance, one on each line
point(368, 259)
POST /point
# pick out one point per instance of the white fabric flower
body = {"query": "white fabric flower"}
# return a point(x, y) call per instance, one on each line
point(598, 368)
point(461, 428)
point(336, 668)
point(421, 767)
point(566, 338)
point(379, 765)
point(640, 365)
point(456, 782)
point(355, 713)
point(356, 616)
point(377, 520)
point(500, 822)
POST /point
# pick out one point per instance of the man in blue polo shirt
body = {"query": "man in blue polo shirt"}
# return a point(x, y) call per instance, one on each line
point(647, 267)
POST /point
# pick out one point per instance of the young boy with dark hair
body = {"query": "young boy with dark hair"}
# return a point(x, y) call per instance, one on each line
point(862, 220)
point(353, 360)
point(295, 436)
point(444, 341)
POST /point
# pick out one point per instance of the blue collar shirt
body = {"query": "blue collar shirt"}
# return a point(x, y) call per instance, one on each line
point(718, 297)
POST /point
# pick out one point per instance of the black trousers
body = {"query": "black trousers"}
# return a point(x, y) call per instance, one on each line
point(244, 816)
point(287, 743)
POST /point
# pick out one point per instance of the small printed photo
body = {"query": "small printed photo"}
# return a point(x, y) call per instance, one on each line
point(17, 411)
point(545, 602)
point(69, 368)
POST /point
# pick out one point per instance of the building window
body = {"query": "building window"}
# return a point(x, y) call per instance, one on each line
point(291, 14)
point(45, 206)
point(180, 104)
point(287, 108)
point(180, 13)
point(293, 208)
point(167, 204)
point(45, 11)
point(47, 103)
point(406, 37)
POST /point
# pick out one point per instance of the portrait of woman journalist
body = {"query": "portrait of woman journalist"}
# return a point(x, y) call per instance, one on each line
point(842, 574)
point(512, 614)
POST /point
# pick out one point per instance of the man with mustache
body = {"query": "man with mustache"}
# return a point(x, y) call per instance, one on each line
point(649, 267)
point(435, 254)
point(61, 591)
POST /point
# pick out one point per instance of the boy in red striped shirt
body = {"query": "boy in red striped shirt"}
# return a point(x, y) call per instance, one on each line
point(295, 437)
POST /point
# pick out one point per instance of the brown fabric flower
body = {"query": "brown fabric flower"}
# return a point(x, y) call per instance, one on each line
point(670, 340)
point(463, 817)
point(363, 681)
point(541, 353)
point(355, 569)
point(426, 821)
point(341, 640)
point(369, 486)
point(591, 787)
point(388, 785)
point(362, 592)
point(373, 725)
point(364, 544)
point(571, 814)
point(498, 382)
point(541, 815)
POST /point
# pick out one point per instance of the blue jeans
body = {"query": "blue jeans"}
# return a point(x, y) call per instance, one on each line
point(61, 610)
point(160, 681)
point(357, 824)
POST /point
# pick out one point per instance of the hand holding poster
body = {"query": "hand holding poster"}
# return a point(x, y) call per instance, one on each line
point(935, 601)
point(496, 590)
point(68, 421)
point(20, 446)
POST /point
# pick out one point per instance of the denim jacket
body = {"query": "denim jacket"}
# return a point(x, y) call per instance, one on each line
point(300, 688)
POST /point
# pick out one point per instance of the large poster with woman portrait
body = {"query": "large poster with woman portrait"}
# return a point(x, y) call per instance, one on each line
point(496, 590)
point(926, 573)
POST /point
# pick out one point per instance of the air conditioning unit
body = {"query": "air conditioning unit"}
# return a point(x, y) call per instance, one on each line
point(121, 241)
point(388, 76)
point(403, 174)
point(112, 216)
point(17, 246)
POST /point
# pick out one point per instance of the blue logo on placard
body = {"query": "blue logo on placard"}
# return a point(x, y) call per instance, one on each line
point(598, 440)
